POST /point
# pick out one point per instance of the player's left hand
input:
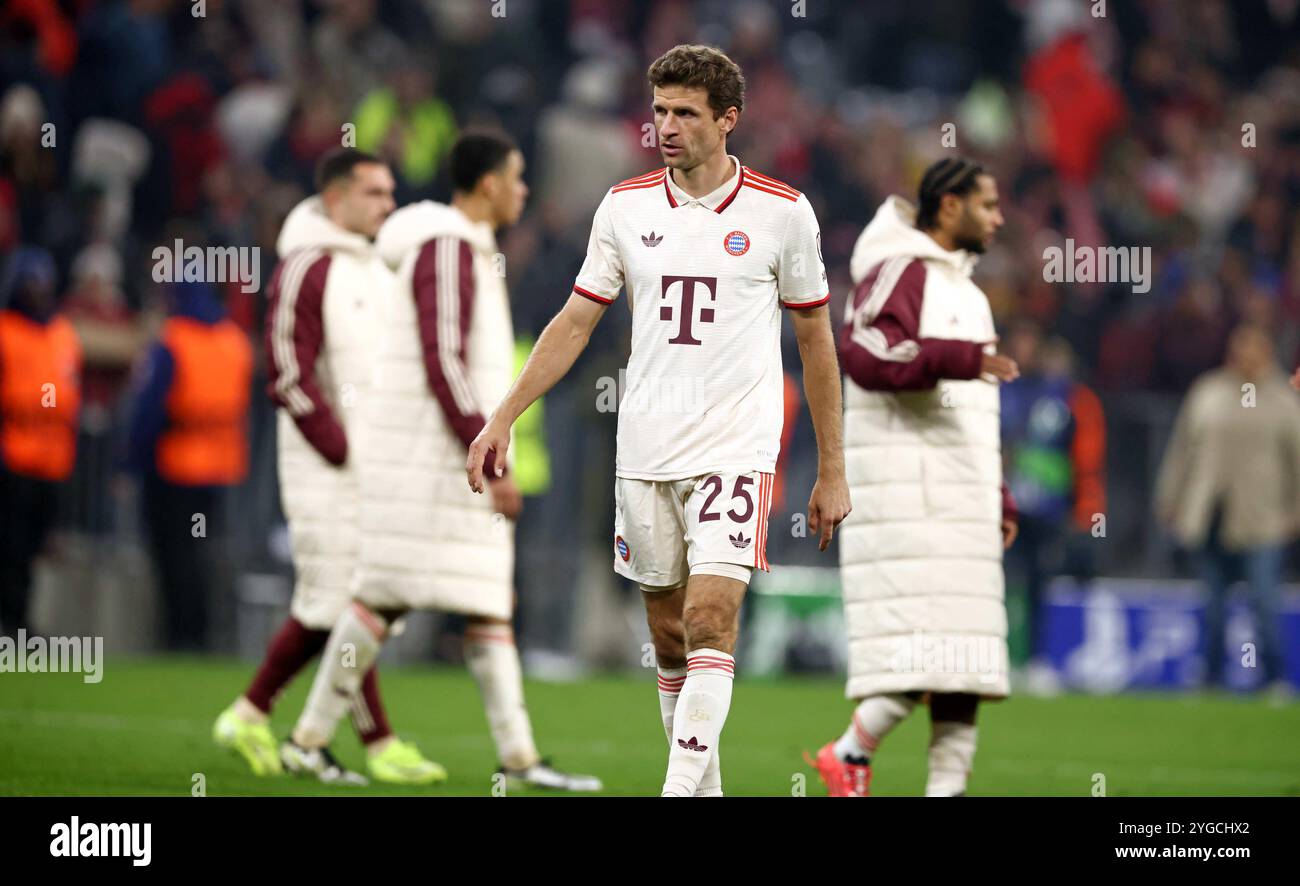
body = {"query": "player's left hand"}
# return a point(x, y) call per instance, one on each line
point(1295, 379)
point(827, 507)
point(1010, 529)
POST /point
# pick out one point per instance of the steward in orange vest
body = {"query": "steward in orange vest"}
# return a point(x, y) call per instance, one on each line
point(40, 366)
point(190, 424)
point(189, 441)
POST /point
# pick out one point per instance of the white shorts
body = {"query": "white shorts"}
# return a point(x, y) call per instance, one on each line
point(666, 530)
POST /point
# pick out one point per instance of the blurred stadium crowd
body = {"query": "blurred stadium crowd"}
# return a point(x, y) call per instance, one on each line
point(1173, 124)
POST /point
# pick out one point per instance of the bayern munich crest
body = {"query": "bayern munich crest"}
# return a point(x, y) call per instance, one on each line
point(736, 243)
point(621, 547)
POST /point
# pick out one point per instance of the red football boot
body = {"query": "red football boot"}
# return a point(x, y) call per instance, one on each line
point(842, 779)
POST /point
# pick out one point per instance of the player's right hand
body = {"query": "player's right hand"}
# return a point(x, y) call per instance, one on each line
point(1000, 367)
point(491, 439)
point(828, 506)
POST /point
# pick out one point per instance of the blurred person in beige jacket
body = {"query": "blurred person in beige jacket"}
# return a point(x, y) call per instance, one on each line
point(1229, 489)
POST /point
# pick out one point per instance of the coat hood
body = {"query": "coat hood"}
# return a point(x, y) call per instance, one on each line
point(308, 226)
point(411, 226)
point(893, 233)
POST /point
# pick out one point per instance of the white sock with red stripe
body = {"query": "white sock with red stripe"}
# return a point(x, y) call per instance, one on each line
point(698, 719)
point(873, 719)
point(493, 659)
point(351, 649)
point(952, 753)
point(670, 687)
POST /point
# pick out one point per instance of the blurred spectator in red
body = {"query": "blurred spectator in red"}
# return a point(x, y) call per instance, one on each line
point(56, 40)
point(1191, 335)
point(111, 339)
point(106, 326)
point(180, 111)
point(315, 127)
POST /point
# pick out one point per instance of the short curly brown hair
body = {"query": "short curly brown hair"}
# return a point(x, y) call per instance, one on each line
point(706, 67)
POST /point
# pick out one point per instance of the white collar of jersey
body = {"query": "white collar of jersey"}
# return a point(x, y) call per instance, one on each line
point(716, 200)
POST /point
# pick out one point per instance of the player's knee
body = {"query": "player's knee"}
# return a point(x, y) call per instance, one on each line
point(669, 640)
point(670, 655)
point(709, 627)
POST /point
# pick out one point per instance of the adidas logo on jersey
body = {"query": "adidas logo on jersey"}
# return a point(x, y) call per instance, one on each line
point(693, 745)
point(739, 540)
point(652, 240)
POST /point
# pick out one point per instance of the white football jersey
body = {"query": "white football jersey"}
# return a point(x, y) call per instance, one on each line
point(705, 280)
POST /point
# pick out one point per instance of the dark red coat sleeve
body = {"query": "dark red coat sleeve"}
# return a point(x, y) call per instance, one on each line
point(295, 334)
point(442, 284)
point(879, 346)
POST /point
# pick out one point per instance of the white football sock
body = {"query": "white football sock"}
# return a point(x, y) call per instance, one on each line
point(670, 687)
point(493, 659)
point(952, 751)
point(873, 719)
point(711, 783)
point(352, 648)
point(698, 719)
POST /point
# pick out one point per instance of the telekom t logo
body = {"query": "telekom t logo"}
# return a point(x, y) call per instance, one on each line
point(687, 314)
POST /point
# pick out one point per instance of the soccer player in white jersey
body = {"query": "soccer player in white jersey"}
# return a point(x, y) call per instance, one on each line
point(709, 252)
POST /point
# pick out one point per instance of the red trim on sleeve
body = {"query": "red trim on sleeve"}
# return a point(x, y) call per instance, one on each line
point(805, 305)
point(598, 299)
point(652, 183)
point(772, 191)
point(770, 182)
point(643, 177)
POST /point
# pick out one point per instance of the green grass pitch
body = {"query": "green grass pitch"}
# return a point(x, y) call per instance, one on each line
point(145, 729)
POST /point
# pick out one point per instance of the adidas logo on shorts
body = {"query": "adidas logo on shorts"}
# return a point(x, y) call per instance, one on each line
point(739, 540)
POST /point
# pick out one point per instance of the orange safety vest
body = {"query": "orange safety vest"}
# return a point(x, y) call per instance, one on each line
point(40, 393)
point(206, 442)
